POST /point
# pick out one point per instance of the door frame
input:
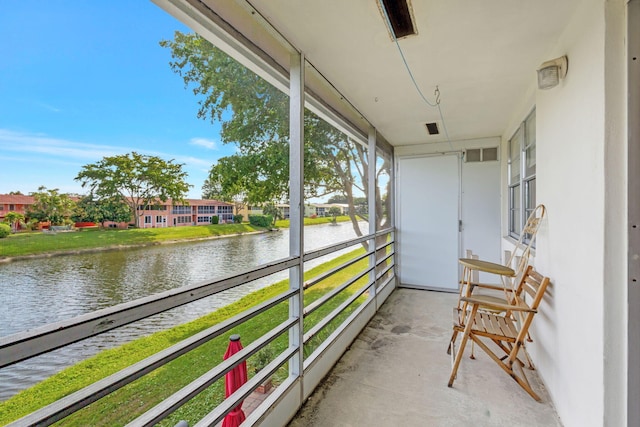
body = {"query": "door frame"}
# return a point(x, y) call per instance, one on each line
point(398, 200)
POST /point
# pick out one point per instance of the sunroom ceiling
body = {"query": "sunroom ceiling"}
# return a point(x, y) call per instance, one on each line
point(481, 54)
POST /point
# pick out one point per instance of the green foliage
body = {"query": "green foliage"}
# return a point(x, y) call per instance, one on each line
point(334, 211)
point(5, 230)
point(91, 210)
point(50, 205)
point(138, 180)
point(261, 220)
point(259, 126)
point(262, 358)
point(272, 210)
point(237, 219)
point(15, 220)
point(215, 219)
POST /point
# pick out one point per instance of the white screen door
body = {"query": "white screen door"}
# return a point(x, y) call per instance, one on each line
point(428, 227)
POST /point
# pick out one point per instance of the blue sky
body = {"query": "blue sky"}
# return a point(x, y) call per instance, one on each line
point(83, 79)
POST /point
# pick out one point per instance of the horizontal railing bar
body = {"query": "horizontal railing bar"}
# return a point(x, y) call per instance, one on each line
point(385, 271)
point(83, 397)
point(215, 416)
point(331, 272)
point(179, 398)
point(384, 231)
point(322, 324)
point(334, 248)
point(322, 347)
point(385, 283)
point(384, 245)
point(24, 345)
point(381, 260)
point(322, 300)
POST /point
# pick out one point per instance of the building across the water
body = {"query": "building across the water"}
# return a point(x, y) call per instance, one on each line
point(164, 214)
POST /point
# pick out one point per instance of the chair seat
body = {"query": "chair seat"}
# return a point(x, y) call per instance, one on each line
point(488, 299)
point(489, 325)
point(488, 267)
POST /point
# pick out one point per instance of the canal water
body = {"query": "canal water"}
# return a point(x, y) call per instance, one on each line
point(40, 291)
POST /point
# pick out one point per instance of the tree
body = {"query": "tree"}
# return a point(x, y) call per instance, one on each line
point(15, 193)
point(100, 211)
point(259, 127)
point(338, 198)
point(272, 210)
point(14, 219)
point(50, 205)
point(138, 180)
point(334, 211)
point(214, 190)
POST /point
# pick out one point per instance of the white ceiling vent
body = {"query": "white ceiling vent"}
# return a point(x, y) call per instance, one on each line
point(474, 155)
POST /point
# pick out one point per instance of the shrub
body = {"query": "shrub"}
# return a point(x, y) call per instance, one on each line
point(262, 358)
point(215, 219)
point(5, 230)
point(260, 220)
point(237, 219)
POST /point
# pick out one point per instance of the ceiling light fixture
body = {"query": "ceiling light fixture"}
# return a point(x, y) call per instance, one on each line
point(550, 72)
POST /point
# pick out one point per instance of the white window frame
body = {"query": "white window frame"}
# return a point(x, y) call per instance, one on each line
point(521, 190)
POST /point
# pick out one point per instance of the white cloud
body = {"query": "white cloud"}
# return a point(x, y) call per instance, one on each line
point(56, 149)
point(41, 144)
point(204, 142)
point(189, 160)
point(48, 107)
point(54, 161)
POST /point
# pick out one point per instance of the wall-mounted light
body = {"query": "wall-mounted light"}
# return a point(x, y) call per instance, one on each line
point(550, 72)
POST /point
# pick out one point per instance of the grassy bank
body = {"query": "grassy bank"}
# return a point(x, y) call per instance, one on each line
point(41, 243)
point(284, 223)
point(26, 244)
point(127, 403)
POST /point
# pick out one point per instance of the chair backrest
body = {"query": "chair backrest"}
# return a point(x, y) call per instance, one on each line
point(535, 285)
point(522, 248)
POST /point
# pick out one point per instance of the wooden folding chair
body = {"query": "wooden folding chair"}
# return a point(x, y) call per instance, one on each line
point(509, 273)
point(506, 332)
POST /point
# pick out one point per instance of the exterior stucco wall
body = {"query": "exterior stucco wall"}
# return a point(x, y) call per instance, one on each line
point(578, 179)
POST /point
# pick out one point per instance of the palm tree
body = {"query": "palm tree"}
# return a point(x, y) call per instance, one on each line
point(14, 219)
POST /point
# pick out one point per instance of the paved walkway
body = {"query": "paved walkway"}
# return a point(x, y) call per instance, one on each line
point(254, 400)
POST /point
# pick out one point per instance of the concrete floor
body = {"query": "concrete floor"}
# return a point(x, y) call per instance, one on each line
point(396, 374)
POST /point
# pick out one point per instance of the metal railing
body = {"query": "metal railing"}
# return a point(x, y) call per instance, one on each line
point(29, 344)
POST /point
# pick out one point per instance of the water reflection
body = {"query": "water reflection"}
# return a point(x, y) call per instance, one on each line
point(36, 292)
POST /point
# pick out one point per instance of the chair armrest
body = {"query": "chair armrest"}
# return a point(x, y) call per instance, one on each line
point(501, 306)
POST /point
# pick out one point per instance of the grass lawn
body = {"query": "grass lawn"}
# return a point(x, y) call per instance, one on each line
point(284, 223)
point(21, 244)
point(129, 402)
point(37, 243)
